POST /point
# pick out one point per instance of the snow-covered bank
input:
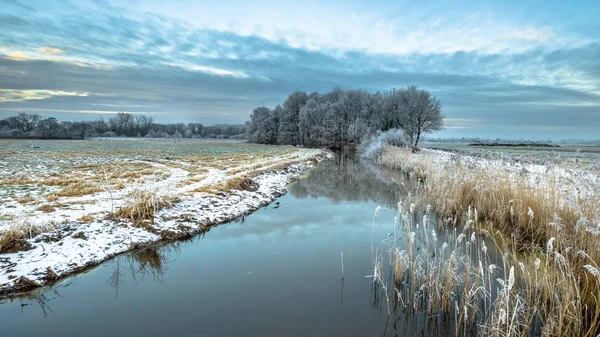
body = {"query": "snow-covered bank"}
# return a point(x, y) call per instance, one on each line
point(70, 245)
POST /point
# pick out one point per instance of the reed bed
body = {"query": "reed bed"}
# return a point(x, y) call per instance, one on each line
point(509, 252)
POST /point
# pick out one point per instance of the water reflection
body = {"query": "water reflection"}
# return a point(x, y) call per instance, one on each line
point(151, 261)
point(348, 178)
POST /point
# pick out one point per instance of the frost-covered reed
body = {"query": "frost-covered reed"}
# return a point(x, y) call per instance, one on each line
point(513, 253)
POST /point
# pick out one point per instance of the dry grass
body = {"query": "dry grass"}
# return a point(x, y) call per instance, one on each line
point(79, 189)
point(46, 208)
point(142, 204)
point(243, 183)
point(240, 183)
point(206, 189)
point(14, 239)
point(52, 197)
point(535, 219)
point(26, 200)
point(18, 180)
point(86, 218)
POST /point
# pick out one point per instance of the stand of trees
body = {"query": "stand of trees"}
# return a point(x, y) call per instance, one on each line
point(339, 117)
point(123, 125)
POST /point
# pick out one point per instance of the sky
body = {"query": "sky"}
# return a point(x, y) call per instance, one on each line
point(501, 69)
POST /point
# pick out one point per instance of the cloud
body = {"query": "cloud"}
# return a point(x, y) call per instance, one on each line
point(532, 34)
point(50, 50)
point(208, 70)
point(18, 56)
point(9, 95)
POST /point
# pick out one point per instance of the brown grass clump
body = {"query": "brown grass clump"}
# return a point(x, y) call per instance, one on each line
point(86, 218)
point(13, 242)
point(143, 204)
point(59, 181)
point(26, 200)
point(52, 197)
point(206, 189)
point(18, 180)
point(9, 217)
point(79, 189)
point(46, 208)
point(14, 239)
point(244, 183)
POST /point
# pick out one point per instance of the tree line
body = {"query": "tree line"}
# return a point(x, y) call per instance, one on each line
point(339, 117)
point(121, 125)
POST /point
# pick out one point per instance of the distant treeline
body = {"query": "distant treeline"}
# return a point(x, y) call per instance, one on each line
point(339, 117)
point(26, 125)
point(511, 144)
point(521, 142)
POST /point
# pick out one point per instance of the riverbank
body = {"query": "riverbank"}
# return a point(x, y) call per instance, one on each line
point(545, 219)
point(65, 212)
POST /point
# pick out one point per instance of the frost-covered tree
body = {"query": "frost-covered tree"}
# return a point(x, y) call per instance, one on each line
point(260, 127)
point(423, 113)
point(289, 121)
point(339, 118)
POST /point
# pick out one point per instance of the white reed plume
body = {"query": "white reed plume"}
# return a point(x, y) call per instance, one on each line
point(468, 225)
point(537, 263)
point(593, 270)
point(550, 245)
point(511, 277)
point(560, 260)
point(460, 238)
point(377, 210)
point(530, 212)
point(433, 235)
point(502, 316)
point(412, 208)
point(484, 248)
point(473, 237)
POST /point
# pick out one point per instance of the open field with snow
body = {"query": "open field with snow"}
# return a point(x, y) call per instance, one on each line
point(580, 156)
point(67, 205)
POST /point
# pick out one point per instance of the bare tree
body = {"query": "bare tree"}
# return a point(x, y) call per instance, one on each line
point(423, 113)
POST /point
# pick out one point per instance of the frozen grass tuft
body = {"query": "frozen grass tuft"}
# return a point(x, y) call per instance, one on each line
point(142, 204)
point(14, 239)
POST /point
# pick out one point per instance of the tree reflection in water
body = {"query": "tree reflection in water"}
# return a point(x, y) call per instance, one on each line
point(152, 261)
point(357, 180)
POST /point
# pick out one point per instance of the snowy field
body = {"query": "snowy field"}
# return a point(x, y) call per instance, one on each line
point(566, 155)
point(68, 205)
